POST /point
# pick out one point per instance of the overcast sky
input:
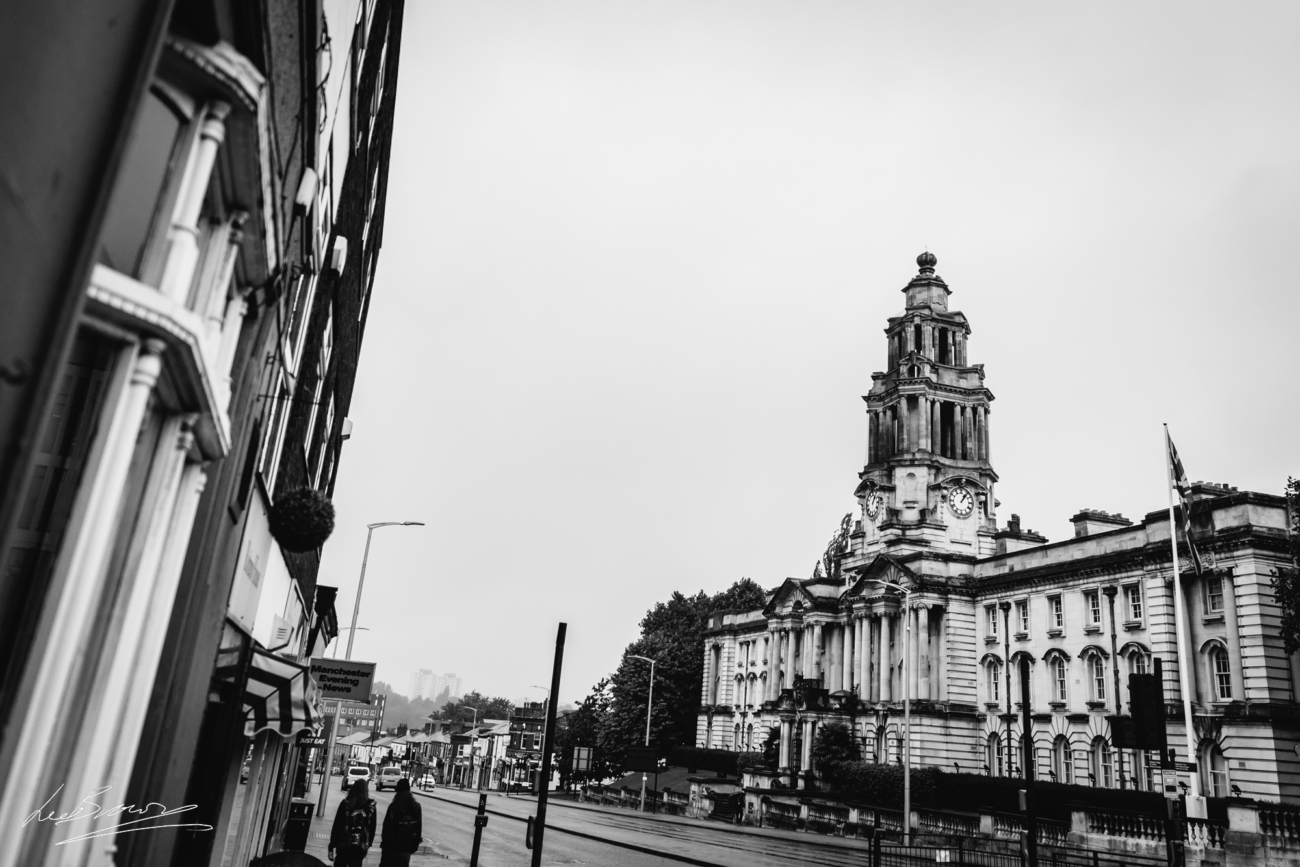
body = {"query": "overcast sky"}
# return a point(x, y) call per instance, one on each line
point(638, 259)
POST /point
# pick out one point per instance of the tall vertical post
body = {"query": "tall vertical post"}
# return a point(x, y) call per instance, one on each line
point(1195, 803)
point(548, 741)
point(1110, 590)
point(1028, 760)
point(907, 723)
point(1006, 644)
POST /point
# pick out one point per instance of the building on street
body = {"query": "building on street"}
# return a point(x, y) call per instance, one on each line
point(981, 596)
point(426, 684)
point(190, 314)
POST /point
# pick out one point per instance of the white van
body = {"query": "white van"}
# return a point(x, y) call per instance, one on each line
point(388, 776)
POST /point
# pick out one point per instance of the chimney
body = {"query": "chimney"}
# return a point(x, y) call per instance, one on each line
point(1089, 522)
point(1014, 539)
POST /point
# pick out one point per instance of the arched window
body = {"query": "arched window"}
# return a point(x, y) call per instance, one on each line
point(1214, 771)
point(1101, 763)
point(736, 743)
point(1221, 668)
point(1097, 677)
point(994, 755)
point(1060, 679)
point(879, 746)
point(1062, 760)
point(994, 671)
point(749, 736)
point(1137, 662)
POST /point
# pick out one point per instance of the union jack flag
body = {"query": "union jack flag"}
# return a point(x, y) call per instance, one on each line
point(1179, 478)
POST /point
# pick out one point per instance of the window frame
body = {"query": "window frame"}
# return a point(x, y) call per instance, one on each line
point(1134, 602)
point(1022, 614)
point(1092, 601)
point(1060, 670)
point(1220, 676)
point(1056, 613)
point(1210, 595)
point(991, 621)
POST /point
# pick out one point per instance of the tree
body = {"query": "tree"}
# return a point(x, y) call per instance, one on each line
point(1286, 579)
point(581, 728)
point(833, 745)
point(488, 708)
point(672, 634)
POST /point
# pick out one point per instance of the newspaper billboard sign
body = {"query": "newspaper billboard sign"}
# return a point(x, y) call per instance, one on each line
point(344, 679)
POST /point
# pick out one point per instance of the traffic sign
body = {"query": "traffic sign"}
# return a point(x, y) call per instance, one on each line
point(1184, 767)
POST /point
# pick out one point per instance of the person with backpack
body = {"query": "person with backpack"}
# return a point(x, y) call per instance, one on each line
point(354, 827)
point(403, 830)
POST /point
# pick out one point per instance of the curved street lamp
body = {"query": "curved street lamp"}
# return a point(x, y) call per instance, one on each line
point(356, 609)
point(649, 702)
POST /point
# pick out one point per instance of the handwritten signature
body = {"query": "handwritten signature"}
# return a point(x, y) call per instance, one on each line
point(89, 809)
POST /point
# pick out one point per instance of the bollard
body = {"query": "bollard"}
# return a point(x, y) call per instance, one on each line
point(480, 822)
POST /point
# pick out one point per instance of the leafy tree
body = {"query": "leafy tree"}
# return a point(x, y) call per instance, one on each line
point(581, 728)
point(672, 634)
point(1286, 580)
point(488, 708)
point(832, 746)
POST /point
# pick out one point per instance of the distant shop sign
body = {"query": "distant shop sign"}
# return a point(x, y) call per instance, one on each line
point(344, 679)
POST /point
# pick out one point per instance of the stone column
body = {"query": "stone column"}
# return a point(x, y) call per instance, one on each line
point(904, 435)
point(939, 654)
point(788, 681)
point(183, 234)
point(885, 659)
point(870, 638)
point(849, 630)
point(1234, 637)
point(706, 694)
point(770, 657)
point(814, 662)
point(988, 450)
point(923, 420)
point(913, 654)
point(923, 646)
point(936, 427)
point(871, 440)
point(805, 752)
point(783, 760)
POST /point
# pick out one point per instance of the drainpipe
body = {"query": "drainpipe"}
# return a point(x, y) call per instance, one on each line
point(1110, 590)
point(1006, 666)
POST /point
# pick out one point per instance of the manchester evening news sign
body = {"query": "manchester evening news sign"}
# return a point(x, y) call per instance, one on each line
point(344, 678)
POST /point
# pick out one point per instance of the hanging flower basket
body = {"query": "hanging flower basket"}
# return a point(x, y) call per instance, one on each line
point(301, 520)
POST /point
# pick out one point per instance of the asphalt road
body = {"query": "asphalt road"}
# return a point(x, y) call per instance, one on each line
point(579, 834)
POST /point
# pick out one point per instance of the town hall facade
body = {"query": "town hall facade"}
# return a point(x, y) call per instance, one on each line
point(925, 555)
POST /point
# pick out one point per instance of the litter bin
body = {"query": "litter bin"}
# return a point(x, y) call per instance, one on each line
point(299, 825)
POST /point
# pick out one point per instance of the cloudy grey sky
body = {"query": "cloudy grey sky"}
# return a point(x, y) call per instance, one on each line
point(638, 258)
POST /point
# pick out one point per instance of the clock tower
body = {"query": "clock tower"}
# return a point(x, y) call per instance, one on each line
point(927, 486)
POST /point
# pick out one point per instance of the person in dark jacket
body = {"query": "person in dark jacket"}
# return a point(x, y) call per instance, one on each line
point(403, 828)
point(354, 827)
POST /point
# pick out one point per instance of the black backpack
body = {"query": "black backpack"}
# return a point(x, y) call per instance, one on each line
point(357, 827)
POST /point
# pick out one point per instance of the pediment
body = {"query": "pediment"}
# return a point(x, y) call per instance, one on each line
point(884, 568)
point(784, 599)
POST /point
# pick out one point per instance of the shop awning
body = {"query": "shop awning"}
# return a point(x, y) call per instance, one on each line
point(279, 695)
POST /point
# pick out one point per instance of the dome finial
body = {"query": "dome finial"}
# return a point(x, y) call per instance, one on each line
point(927, 261)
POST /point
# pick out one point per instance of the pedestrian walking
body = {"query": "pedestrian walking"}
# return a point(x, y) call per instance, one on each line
point(354, 827)
point(403, 828)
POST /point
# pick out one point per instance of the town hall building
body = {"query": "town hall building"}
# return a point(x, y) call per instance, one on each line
point(925, 554)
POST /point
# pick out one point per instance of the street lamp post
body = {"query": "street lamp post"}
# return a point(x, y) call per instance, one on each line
point(907, 710)
point(352, 633)
point(649, 702)
point(356, 608)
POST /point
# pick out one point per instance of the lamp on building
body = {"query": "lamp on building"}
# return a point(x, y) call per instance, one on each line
point(649, 702)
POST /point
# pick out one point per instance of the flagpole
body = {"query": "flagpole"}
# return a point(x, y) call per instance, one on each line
point(1195, 802)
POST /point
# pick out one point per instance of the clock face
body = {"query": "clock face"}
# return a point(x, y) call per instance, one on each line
point(961, 502)
point(874, 501)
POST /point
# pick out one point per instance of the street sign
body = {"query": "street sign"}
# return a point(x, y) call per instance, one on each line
point(343, 678)
point(1184, 767)
point(581, 759)
point(306, 740)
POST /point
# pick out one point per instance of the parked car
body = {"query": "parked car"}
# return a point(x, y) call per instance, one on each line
point(388, 776)
point(243, 773)
point(428, 782)
point(356, 772)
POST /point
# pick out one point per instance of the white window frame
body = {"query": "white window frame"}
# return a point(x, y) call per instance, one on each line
point(1022, 612)
point(991, 620)
point(994, 670)
point(1092, 598)
point(1057, 612)
point(1213, 581)
point(1133, 601)
point(1060, 669)
point(1097, 676)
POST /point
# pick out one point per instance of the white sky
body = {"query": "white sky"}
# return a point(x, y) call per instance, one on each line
point(638, 258)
